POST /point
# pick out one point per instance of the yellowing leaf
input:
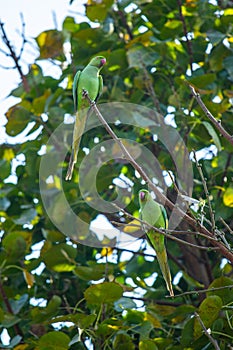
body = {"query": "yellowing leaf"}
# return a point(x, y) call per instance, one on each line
point(149, 317)
point(8, 154)
point(50, 43)
point(21, 347)
point(228, 197)
point(133, 226)
point(29, 278)
point(228, 12)
point(106, 251)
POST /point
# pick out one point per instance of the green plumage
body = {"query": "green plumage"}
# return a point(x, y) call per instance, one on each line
point(90, 80)
point(155, 214)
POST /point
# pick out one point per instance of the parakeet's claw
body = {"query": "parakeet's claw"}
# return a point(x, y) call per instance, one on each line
point(70, 169)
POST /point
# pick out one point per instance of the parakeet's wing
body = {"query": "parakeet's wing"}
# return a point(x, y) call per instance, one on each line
point(155, 214)
point(75, 90)
point(100, 87)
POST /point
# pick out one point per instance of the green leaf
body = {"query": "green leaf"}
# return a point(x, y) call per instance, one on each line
point(213, 134)
point(9, 320)
point(26, 217)
point(216, 57)
point(208, 312)
point(45, 314)
point(90, 273)
point(124, 304)
point(226, 293)
point(54, 340)
point(147, 344)
point(15, 246)
point(123, 342)
point(5, 169)
point(103, 293)
point(59, 257)
point(14, 341)
point(141, 57)
point(187, 333)
point(83, 321)
point(53, 305)
point(4, 202)
point(50, 43)
point(17, 305)
point(18, 118)
point(203, 81)
point(97, 11)
point(1, 315)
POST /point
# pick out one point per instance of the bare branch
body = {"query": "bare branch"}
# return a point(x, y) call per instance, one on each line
point(211, 339)
point(206, 193)
point(189, 44)
point(217, 123)
point(23, 36)
point(199, 291)
point(9, 308)
point(226, 225)
point(14, 56)
point(190, 220)
point(162, 232)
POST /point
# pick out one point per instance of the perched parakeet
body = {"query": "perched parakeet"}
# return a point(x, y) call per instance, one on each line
point(155, 214)
point(90, 80)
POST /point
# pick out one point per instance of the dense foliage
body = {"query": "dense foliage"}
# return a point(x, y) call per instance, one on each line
point(56, 293)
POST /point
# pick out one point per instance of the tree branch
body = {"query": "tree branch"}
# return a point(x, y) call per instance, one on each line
point(199, 291)
point(210, 116)
point(164, 232)
point(14, 56)
point(211, 339)
point(9, 308)
point(222, 248)
point(206, 193)
point(189, 44)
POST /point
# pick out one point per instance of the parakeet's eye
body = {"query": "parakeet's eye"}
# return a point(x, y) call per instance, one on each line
point(142, 196)
point(102, 62)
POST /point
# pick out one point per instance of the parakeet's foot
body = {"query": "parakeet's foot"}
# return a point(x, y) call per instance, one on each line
point(70, 169)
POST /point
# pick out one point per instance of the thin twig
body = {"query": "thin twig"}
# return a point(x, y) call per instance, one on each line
point(210, 116)
point(162, 232)
point(201, 291)
point(173, 232)
point(222, 248)
point(206, 193)
point(226, 225)
point(133, 252)
point(9, 308)
point(211, 339)
point(23, 36)
point(159, 302)
point(150, 89)
point(189, 44)
point(15, 57)
point(121, 14)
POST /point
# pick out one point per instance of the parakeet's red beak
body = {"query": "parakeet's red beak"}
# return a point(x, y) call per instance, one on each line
point(142, 196)
point(102, 62)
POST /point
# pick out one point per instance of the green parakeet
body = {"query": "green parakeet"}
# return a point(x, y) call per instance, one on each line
point(155, 214)
point(90, 80)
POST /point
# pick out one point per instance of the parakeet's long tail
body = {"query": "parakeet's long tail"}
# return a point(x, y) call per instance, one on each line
point(163, 263)
point(80, 122)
